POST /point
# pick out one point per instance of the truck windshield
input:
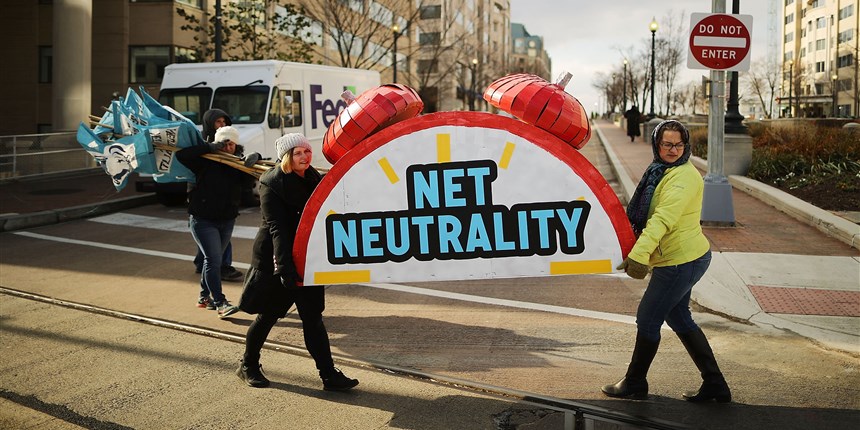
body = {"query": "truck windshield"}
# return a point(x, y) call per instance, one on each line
point(190, 102)
point(245, 105)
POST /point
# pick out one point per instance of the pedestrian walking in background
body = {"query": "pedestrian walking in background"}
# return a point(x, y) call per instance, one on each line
point(284, 191)
point(633, 116)
point(213, 207)
point(213, 119)
point(665, 211)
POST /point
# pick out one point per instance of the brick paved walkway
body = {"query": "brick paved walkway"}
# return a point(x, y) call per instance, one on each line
point(761, 227)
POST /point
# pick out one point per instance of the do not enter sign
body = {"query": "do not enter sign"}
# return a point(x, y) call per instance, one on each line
point(719, 42)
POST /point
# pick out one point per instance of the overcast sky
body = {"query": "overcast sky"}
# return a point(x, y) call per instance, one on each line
point(584, 37)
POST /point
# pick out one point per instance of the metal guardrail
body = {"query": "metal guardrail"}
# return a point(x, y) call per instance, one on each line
point(25, 155)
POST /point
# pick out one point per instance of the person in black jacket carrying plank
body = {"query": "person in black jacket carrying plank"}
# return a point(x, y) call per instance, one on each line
point(213, 206)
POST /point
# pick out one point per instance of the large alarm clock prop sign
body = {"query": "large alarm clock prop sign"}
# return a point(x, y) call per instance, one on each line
point(460, 195)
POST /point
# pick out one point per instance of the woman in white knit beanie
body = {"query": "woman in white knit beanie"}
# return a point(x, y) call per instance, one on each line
point(284, 193)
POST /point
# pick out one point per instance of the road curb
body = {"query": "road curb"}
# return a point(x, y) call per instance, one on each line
point(38, 219)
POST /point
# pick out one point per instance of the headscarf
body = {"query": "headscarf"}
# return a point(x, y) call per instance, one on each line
point(637, 209)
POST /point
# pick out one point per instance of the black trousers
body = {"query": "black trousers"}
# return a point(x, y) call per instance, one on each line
point(310, 302)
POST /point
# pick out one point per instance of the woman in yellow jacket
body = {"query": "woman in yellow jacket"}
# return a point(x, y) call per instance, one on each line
point(665, 211)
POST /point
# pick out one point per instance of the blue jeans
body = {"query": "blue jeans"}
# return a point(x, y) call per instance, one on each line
point(667, 298)
point(212, 238)
point(226, 260)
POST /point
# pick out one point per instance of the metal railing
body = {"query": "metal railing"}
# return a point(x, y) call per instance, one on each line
point(25, 155)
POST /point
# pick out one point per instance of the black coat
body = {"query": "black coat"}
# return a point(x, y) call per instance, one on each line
point(218, 189)
point(633, 117)
point(282, 199)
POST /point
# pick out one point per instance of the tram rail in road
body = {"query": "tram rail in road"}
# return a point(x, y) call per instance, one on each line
point(578, 416)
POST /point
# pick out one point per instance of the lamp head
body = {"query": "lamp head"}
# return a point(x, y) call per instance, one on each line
point(395, 28)
point(653, 25)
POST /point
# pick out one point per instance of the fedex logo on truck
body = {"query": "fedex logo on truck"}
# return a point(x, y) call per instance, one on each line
point(327, 108)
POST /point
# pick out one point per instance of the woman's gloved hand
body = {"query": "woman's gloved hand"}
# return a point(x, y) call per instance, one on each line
point(633, 268)
point(252, 159)
point(291, 280)
point(217, 146)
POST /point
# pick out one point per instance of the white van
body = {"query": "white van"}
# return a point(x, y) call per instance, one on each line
point(264, 99)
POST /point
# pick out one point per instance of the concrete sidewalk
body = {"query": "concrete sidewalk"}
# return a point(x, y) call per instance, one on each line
point(775, 268)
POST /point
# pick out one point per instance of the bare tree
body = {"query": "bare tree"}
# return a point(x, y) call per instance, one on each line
point(670, 53)
point(360, 32)
point(762, 80)
point(445, 50)
point(254, 30)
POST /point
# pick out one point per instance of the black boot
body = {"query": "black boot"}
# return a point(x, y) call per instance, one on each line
point(714, 386)
point(335, 380)
point(252, 374)
point(634, 385)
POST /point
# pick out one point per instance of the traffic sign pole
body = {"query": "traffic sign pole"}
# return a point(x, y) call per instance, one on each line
point(717, 205)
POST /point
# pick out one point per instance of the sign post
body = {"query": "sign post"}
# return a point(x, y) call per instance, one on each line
point(719, 43)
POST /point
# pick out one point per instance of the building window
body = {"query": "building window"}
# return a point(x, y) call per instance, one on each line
point(789, 18)
point(46, 64)
point(147, 63)
point(845, 36)
point(184, 55)
point(788, 37)
point(846, 11)
point(427, 66)
point(431, 12)
point(821, 22)
point(819, 66)
point(428, 39)
point(788, 56)
point(788, 2)
point(816, 3)
point(819, 44)
point(845, 61)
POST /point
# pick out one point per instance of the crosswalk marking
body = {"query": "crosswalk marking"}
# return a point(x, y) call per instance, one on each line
point(164, 224)
point(626, 319)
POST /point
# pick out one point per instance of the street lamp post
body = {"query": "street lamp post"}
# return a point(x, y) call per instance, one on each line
point(653, 28)
point(472, 88)
point(624, 90)
point(833, 90)
point(790, 85)
point(218, 31)
point(395, 29)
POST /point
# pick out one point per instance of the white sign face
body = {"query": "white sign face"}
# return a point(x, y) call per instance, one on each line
point(460, 195)
point(719, 42)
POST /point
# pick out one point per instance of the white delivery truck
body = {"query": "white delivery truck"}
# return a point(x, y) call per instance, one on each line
point(264, 99)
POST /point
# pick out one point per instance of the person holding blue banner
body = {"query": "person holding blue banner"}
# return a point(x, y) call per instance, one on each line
point(213, 119)
point(665, 211)
point(284, 191)
point(213, 206)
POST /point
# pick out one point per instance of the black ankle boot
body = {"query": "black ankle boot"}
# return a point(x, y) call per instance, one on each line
point(628, 388)
point(634, 385)
point(252, 375)
point(714, 386)
point(335, 380)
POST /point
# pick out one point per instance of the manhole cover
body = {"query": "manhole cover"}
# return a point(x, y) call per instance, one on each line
point(55, 191)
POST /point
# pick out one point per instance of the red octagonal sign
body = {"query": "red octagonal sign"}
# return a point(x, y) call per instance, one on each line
point(719, 42)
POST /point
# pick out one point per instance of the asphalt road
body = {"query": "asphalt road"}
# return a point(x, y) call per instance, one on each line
point(562, 337)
